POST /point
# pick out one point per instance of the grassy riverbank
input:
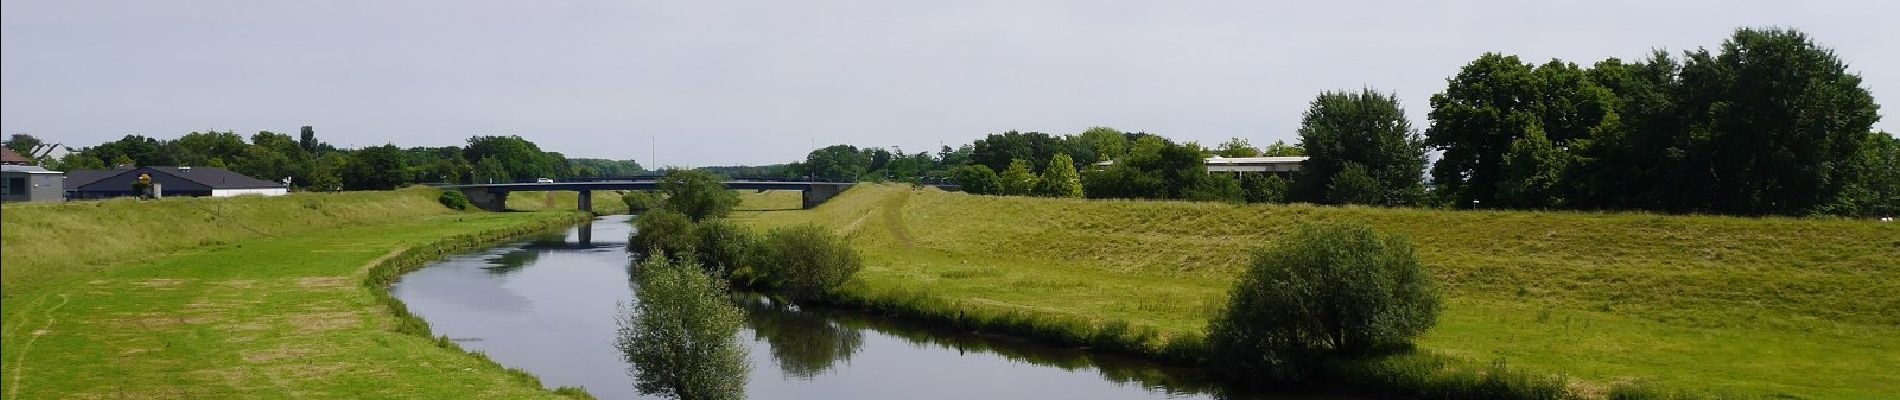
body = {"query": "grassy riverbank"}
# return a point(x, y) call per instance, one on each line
point(605, 201)
point(1737, 306)
point(240, 298)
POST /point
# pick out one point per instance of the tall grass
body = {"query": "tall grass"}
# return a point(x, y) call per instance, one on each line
point(49, 242)
point(1734, 305)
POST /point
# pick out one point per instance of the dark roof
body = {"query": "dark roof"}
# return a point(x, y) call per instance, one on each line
point(7, 156)
point(215, 178)
point(75, 179)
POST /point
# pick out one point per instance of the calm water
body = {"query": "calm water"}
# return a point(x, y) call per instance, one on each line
point(547, 305)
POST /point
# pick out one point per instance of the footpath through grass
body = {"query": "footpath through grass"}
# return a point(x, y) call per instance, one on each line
point(260, 298)
point(1750, 307)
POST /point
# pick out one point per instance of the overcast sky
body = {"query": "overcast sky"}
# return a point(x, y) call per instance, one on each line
point(719, 83)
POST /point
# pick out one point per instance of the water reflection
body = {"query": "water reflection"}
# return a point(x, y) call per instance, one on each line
point(804, 345)
point(547, 305)
point(681, 335)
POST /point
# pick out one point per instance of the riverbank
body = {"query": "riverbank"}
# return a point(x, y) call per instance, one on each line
point(1749, 307)
point(241, 298)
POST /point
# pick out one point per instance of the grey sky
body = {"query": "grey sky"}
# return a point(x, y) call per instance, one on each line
point(759, 82)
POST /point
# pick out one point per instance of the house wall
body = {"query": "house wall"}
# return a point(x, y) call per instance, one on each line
point(34, 187)
point(243, 192)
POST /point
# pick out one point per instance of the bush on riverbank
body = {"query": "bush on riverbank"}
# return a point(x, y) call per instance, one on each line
point(698, 194)
point(682, 333)
point(724, 246)
point(639, 201)
point(454, 199)
point(805, 262)
point(1327, 291)
point(664, 231)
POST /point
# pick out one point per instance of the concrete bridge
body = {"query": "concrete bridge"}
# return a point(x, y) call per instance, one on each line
point(494, 196)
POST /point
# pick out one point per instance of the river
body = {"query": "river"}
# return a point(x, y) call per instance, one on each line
point(547, 305)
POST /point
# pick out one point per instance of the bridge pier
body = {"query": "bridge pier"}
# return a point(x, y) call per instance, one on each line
point(486, 199)
point(586, 201)
point(817, 194)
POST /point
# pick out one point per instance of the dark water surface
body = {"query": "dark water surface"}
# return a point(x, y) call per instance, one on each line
point(547, 305)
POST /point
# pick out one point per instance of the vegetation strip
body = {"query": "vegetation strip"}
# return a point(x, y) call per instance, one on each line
point(301, 313)
point(1624, 305)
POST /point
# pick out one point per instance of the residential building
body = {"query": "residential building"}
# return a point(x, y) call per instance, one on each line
point(169, 182)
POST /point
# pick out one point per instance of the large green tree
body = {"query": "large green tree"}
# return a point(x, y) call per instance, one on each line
point(1019, 179)
point(839, 163)
point(1367, 128)
point(1775, 123)
point(1497, 100)
point(1060, 178)
point(698, 194)
point(373, 168)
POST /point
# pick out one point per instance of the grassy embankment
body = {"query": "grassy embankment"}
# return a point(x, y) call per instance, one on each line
point(238, 298)
point(605, 201)
point(1732, 306)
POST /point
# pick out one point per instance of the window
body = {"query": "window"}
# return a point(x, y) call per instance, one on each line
point(16, 186)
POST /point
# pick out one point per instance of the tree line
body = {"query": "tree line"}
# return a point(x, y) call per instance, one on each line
point(1769, 123)
point(310, 164)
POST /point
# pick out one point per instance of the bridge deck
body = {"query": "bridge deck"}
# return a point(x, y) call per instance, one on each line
point(494, 196)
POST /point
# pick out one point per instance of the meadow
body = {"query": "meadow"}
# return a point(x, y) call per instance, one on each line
point(241, 298)
point(1719, 306)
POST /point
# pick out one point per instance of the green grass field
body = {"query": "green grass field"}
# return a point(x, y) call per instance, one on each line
point(1749, 307)
point(259, 298)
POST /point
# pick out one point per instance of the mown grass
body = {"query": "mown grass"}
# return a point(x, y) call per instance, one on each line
point(1747, 307)
point(49, 242)
point(605, 201)
point(753, 201)
point(293, 312)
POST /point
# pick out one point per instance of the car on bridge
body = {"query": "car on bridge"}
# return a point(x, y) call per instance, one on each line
point(543, 180)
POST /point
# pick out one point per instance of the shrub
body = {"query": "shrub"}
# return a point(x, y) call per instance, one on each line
point(978, 179)
point(697, 194)
point(1325, 291)
point(664, 231)
point(805, 262)
point(682, 334)
point(640, 201)
point(454, 199)
point(723, 246)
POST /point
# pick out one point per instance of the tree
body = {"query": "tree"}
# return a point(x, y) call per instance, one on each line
point(520, 157)
point(664, 231)
point(23, 144)
point(1098, 144)
point(205, 148)
point(839, 163)
point(1324, 291)
point(699, 195)
point(1353, 185)
point(1776, 122)
point(997, 151)
point(490, 170)
point(979, 179)
point(682, 334)
point(724, 246)
point(1496, 100)
point(373, 168)
point(1279, 148)
point(806, 262)
point(1264, 188)
point(1019, 179)
point(1236, 148)
point(1532, 172)
point(1367, 128)
point(1060, 179)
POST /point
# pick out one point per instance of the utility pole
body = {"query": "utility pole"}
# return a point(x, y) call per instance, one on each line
point(653, 152)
